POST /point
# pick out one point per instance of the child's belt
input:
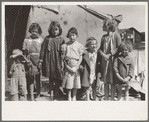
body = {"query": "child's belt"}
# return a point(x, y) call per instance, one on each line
point(68, 58)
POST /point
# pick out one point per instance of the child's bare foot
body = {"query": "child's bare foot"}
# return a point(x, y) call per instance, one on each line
point(74, 99)
point(62, 90)
point(69, 99)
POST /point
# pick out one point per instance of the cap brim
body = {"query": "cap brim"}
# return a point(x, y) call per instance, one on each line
point(14, 56)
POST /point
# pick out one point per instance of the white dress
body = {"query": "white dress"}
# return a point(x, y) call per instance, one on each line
point(73, 52)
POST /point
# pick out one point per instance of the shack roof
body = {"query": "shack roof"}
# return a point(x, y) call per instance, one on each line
point(123, 30)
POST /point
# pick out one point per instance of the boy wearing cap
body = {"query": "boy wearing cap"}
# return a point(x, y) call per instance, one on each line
point(18, 88)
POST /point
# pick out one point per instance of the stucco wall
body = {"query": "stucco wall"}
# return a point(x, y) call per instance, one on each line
point(69, 16)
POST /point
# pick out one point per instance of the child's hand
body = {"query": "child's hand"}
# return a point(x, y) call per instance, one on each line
point(90, 83)
point(106, 57)
point(40, 65)
point(127, 79)
point(73, 70)
point(97, 88)
point(62, 65)
point(10, 74)
point(98, 80)
point(90, 87)
point(81, 68)
point(29, 64)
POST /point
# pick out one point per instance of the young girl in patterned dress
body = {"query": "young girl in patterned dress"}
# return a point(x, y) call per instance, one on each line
point(31, 48)
point(50, 58)
point(72, 52)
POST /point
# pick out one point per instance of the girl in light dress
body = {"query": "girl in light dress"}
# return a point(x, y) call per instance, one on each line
point(72, 57)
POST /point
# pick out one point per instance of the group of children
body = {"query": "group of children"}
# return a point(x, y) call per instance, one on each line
point(71, 66)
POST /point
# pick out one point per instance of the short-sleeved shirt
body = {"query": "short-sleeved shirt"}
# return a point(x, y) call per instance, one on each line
point(33, 46)
point(74, 50)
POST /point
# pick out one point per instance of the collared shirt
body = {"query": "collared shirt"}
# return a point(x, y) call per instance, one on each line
point(92, 57)
point(32, 45)
point(108, 46)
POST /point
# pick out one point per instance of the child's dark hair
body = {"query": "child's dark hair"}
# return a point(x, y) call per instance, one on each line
point(111, 24)
point(52, 26)
point(72, 30)
point(34, 26)
point(89, 40)
point(123, 46)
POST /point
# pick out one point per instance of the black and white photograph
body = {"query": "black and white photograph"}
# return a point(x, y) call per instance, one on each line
point(74, 61)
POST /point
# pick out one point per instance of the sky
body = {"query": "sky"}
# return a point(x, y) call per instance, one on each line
point(133, 15)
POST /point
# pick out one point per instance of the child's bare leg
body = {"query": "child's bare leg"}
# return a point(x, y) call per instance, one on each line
point(62, 86)
point(31, 86)
point(32, 92)
point(69, 94)
point(88, 94)
point(126, 94)
point(120, 93)
point(106, 91)
point(113, 90)
point(74, 94)
point(51, 88)
point(15, 97)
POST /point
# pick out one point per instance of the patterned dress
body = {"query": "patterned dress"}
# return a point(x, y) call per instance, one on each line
point(73, 53)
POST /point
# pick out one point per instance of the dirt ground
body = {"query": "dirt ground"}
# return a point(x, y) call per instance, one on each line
point(45, 96)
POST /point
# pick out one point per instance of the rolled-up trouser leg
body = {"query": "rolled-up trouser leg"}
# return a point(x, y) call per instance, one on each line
point(15, 97)
point(23, 97)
